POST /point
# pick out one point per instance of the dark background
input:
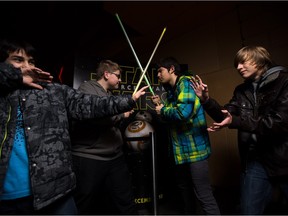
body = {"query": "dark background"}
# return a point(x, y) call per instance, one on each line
point(59, 29)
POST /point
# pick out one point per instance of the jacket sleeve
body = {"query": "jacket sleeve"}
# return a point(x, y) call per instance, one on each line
point(274, 120)
point(106, 121)
point(86, 106)
point(10, 77)
point(183, 109)
point(213, 109)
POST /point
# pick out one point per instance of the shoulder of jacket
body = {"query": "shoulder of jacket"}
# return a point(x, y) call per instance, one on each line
point(184, 79)
point(89, 83)
point(243, 85)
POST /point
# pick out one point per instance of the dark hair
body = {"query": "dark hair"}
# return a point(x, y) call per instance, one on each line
point(8, 46)
point(168, 62)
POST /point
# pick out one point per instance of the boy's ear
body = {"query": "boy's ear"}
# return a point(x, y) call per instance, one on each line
point(106, 75)
point(171, 69)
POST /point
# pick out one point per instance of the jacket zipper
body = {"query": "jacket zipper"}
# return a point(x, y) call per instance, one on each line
point(5, 132)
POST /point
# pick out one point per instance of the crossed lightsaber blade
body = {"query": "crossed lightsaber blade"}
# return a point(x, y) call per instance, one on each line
point(143, 75)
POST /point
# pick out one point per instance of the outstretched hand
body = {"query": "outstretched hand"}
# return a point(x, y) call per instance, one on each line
point(33, 76)
point(200, 88)
point(225, 123)
point(127, 114)
point(139, 93)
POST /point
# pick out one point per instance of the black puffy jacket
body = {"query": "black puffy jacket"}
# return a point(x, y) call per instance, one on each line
point(266, 118)
point(45, 116)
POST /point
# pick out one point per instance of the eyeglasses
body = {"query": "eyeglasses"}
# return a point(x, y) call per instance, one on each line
point(117, 75)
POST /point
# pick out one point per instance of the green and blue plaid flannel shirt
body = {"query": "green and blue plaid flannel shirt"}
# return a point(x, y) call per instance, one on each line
point(188, 126)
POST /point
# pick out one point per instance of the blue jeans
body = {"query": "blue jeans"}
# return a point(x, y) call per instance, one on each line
point(63, 206)
point(24, 206)
point(256, 189)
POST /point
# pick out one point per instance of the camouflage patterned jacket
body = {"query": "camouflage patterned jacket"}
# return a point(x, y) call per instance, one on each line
point(45, 115)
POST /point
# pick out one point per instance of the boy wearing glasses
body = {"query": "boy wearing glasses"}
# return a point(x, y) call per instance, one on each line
point(97, 151)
